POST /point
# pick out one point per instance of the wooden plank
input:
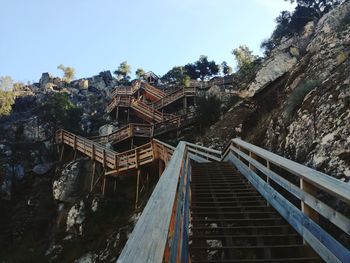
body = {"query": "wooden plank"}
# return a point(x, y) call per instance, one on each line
point(147, 241)
point(323, 181)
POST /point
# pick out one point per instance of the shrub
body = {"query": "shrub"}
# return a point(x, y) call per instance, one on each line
point(7, 99)
point(69, 73)
point(297, 97)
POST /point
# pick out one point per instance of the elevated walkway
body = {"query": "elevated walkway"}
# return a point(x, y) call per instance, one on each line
point(244, 204)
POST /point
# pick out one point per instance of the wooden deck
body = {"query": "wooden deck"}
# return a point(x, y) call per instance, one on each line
point(116, 163)
point(146, 130)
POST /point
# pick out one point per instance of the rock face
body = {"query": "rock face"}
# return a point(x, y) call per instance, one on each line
point(65, 187)
point(107, 129)
point(303, 112)
point(76, 218)
point(272, 69)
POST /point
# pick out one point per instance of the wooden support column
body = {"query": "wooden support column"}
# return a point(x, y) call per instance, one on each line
point(137, 187)
point(117, 113)
point(161, 167)
point(185, 104)
point(128, 118)
point(104, 183)
point(62, 151)
point(93, 175)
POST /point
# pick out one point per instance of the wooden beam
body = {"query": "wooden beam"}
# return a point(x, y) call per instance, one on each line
point(137, 188)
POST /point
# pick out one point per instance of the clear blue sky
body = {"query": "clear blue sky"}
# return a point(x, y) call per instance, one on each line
point(95, 35)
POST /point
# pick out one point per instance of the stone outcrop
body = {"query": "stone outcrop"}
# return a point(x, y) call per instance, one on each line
point(65, 187)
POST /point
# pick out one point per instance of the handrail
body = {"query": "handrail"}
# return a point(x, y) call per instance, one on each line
point(160, 235)
point(256, 163)
point(115, 162)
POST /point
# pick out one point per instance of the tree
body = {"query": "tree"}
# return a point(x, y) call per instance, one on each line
point(123, 71)
point(319, 7)
point(225, 68)
point(69, 73)
point(140, 73)
point(289, 23)
point(206, 68)
point(6, 83)
point(7, 97)
point(244, 57)
point(202, 68)
point(177, 76)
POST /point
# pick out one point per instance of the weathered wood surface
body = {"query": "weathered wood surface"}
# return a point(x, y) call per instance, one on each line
point(320, 207)
point(148, 239)
point(116, 162)
point(322, 181)
point(323, 243)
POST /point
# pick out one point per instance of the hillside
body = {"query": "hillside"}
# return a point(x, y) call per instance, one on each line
point(295, 102)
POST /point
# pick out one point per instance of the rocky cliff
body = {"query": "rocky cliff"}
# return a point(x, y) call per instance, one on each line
point(297, 103)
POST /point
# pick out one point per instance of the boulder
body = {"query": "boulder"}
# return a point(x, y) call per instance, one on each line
point(280, 63)
point(66, 186)
point(107, 129)
point(5, 150)
point(45, 79)
point(41, 168)
point(18, 171)
point(76, 218)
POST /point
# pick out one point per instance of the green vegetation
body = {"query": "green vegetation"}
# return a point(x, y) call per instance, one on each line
point(208, 110)
point(59, 110)
point(7, 97)
point(68, 72)
point(297, 97)
point(123, 72)
point(244, 57)
point(290, 23)
point(176, 76)
point(139, 73)
point(225, 68)
point(202, 68)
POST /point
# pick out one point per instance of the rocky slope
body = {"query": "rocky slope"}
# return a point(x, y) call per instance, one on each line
point(297, 104)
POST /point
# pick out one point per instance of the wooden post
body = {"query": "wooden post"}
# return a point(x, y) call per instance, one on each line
point(104, 184)
point(185, 104)
point(307, 210)
point(128, 118)
point(117, 113)
point(93, 175)
point(115, 185)
point(312, 190)
point(62, 151)
point(160, 167)
point(252, 167)
point(137, 187)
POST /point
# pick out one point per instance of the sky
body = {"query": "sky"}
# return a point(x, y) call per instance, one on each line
point(96, 35)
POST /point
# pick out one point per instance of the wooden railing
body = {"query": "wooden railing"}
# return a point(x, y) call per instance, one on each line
point(146, 130)
point(171, 97)
point(113, 161)
point(161, 234)
point(126, 90)
point(153, 90)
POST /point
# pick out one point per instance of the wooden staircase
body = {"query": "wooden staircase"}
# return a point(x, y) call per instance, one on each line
point(174, 96)
point(233, 223)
